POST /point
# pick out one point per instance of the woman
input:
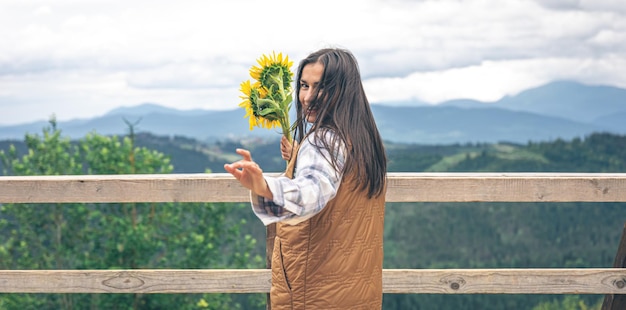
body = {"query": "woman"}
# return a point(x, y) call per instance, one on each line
point(329, 207)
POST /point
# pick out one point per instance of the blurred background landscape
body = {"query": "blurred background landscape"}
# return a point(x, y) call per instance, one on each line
point(559, 127)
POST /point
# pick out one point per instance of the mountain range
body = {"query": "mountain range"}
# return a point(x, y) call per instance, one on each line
point(558, 110)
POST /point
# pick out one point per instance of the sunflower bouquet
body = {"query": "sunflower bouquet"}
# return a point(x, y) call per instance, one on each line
point(268, 100)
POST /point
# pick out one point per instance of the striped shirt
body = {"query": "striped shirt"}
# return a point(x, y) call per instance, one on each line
point(314, 184)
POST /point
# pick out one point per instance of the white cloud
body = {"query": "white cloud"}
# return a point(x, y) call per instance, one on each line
point(80, 58)
point(491, 80)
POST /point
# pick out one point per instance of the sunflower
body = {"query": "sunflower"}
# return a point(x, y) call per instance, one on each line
point(259, 110)
point(249, 103)
point(273, 73)
point(268, 100)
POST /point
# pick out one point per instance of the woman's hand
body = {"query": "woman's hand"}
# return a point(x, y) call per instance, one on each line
point(286, 148)
point(249, 174)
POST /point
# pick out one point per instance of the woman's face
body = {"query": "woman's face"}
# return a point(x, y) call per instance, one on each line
point(309, 81)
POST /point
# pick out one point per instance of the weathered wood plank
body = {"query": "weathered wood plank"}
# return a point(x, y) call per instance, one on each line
point(416, 281)
point(403, 187)
point(505, 281)
point(136, 281)
point(506, 187)
point(122, 188)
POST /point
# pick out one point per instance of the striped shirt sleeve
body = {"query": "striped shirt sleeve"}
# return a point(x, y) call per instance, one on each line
point(314, 184)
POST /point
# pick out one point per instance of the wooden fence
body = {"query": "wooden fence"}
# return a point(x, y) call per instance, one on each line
point(402, 187)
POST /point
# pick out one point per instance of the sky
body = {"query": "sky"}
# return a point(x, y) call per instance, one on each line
point(82, 58)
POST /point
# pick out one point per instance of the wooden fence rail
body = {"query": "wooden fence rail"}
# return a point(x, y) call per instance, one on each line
point(418, 281)
point(402, 187)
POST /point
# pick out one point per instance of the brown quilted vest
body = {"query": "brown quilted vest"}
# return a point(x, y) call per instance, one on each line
point(334, 259)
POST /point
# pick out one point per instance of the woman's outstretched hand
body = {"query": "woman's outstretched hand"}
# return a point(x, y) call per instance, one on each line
point(249, 174)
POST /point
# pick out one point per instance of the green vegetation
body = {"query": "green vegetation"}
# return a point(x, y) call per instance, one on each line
point(505, 235)
point(571, 302)
point(115, 236)
point(417, 235)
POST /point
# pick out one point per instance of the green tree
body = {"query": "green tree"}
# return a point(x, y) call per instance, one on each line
point(569, 302)
point(117, 235)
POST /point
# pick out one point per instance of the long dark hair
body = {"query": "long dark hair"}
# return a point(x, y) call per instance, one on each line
point(342, 107)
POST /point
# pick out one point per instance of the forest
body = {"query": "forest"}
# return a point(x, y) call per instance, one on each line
point(223, 235)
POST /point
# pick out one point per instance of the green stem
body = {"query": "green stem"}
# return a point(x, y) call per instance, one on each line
point(284, 113)
point(284, 117)
point(278, 79)
point(284, 124)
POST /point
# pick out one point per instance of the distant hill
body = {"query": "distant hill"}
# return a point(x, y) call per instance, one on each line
point(563, 99)
point(613, 121)
point(557, 110)
point(202, 125)
point(445, 125)
point(571, 100)
point(153, 108)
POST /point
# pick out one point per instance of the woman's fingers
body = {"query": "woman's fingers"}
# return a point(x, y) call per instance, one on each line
point(249, 174)
point(244, 170)
point(285, 148)
point(245, 154)
point(242, 165)
point(233, 169)
point(237, 168)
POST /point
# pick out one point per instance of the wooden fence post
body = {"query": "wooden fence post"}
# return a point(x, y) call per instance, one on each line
point(618, 301)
